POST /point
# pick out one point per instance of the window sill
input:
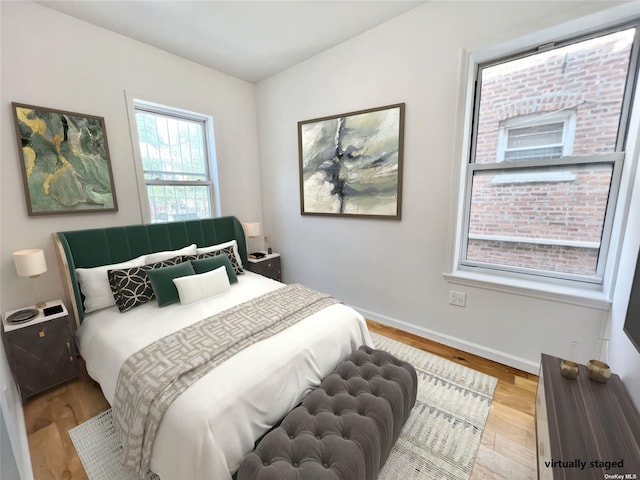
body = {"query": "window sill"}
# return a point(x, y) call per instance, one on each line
point(583, 297)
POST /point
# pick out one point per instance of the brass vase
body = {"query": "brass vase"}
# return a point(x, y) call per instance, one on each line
point(569, 369)
point(598, 371)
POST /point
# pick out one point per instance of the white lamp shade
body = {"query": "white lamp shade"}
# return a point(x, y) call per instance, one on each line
point(30, 262)
point(251, 229)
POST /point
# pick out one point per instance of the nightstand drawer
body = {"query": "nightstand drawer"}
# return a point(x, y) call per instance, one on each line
point(40, 333)
point(269, 267)
point(44, 365)
point(266, 266)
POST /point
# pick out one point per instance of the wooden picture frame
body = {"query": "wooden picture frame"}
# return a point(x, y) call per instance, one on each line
point(351, 163)
point(65, 161)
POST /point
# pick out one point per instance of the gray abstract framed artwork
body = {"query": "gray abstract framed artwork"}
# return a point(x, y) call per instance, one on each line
point(65, 161)
point(351, 164)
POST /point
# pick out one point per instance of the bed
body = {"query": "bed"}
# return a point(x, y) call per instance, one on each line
point(208, 428)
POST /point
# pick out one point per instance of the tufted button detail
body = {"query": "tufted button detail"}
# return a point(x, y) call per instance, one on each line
point(353, 404)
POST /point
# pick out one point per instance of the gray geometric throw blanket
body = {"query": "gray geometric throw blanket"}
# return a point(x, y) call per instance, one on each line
point(153, 377)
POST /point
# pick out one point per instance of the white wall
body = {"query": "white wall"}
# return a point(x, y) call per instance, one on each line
point(392, 270)
point(11, 406)
point(17, 451)
point(622, 356)
point(8, 466)
point(53, 60)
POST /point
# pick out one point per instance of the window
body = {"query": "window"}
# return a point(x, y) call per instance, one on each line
point(537, 136)
point(547, 149)
point(176, 162)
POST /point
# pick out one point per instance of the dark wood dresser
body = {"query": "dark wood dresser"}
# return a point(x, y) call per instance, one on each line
point(41, 352)
point(585, 430)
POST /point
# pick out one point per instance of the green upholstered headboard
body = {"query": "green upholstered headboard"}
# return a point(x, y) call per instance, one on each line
point(104, 246)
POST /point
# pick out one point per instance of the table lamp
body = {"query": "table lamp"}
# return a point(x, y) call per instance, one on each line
point(252, 230)
point(31, 263)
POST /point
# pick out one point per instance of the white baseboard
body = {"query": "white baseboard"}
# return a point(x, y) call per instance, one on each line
point(454, 342)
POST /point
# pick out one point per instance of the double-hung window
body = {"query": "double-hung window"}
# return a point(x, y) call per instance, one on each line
point(547, 148)
point(176, 157)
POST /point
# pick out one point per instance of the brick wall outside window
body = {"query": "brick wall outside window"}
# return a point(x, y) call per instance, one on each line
point(588, 78)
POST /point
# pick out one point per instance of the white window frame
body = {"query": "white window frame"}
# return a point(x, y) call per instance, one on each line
point(567, 117)
point(597, 296)
point(135, 105)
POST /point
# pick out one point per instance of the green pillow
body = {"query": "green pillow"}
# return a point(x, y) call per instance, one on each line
point(162, 281)
point(207, 264)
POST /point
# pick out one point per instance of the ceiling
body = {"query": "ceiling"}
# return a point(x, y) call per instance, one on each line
point(251, 40)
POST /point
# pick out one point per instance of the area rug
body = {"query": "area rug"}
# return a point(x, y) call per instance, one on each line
point(439, 441)
point(441, 437)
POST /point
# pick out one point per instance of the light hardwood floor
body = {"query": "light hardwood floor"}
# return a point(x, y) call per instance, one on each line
point(508, 447)
point(507, 450)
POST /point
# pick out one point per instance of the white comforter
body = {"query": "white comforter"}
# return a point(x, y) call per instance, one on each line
point(210, 427)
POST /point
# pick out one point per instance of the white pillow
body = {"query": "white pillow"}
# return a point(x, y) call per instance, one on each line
point(167, 254)
point(196, 287)
point(220, 246)
point(94, 283)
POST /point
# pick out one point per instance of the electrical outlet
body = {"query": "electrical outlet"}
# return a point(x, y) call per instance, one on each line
point(457, 298)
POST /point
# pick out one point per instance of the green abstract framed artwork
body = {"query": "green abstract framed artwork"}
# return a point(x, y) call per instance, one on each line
point(351, 164)
point(65, 161)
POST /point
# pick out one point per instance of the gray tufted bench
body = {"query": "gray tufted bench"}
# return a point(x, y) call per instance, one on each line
point(344, 429)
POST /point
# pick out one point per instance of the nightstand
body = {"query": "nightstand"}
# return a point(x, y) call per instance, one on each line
point(269, 266)
point(41, 351)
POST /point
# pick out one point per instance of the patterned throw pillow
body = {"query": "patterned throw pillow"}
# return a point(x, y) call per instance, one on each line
point(131, 286)
point(237, 266)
